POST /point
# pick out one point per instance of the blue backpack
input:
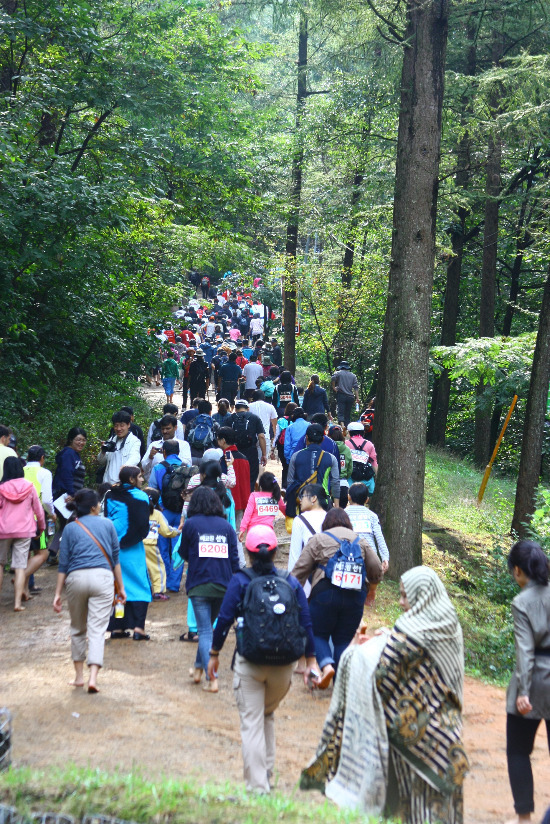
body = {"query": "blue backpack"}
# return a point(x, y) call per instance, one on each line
point(202, 434)
point(346, 568)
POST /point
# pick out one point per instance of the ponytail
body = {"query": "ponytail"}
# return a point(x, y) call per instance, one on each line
point(268, 483)
point(529, 557)
point(313, 382)
point(262, 561)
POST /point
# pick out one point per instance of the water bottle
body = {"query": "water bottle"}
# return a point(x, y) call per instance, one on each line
point(239, 633)
point(357, 407)
point(50, 527)
point(119, 608)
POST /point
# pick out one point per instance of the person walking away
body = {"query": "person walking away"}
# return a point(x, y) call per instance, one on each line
point(278, 445)
point(209, 545)
point(342, 565)
point(5, 449)
point(346, 387)
point(158, 525)
point(168, 431)
point(408, 679)
point(88, 564)
point(261, 678)
point(265, 411)
point(276, 353)
point(327, 443)
point(315, 399)
point(367, 419)
point(249, 433)
point(169, 374)
point(170, 477)
point(198, 375)
point(311, 465)
point(205, 286)
point(528, 696)
point(201, 432)
point(363, 455)
point(228, 381)
point(223, 416)
point(345, 460)
point(252, 371)
point(367, 526)
point(296, 429)
point(285, 393)
point(241, 490)
point(21, 518)
point(123, 449)
point(127, 506)
point(186, 362)
point(264, 505)
point(41, 478)
point(314, 505)
point(256, 328)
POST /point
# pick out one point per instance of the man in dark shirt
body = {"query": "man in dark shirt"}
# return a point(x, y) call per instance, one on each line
point(228, 380)
point(276, 353)
point(249, 433)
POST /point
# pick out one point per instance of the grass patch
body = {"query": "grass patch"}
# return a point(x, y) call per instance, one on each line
point(77, 792)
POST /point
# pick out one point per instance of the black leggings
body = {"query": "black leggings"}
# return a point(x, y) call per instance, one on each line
point(520, 739)
point(135, 614)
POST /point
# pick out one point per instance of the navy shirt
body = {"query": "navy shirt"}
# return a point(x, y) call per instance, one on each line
point(209, 544)
point(234, 596)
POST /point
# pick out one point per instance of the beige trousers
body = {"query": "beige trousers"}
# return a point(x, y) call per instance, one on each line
point(258, 691)
point(155, 567)
point(90, 596)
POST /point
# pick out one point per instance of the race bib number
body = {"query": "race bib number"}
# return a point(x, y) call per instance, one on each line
point(342, 462)
point(266, 506)
point(213, 546)
point(153, 531)
point(347, 575)
point(285, 397)
point(360, 457)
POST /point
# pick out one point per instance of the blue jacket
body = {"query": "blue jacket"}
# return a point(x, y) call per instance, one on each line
point(293, 434)
point(302, 466)
point(202, 537)
point(315, 401)
point(159, 471)
point(327, 444)
point(70, 473)
point(234, 596)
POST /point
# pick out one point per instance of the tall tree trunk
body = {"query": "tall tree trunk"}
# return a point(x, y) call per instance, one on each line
point(289, 284)
point(401, 404)
point(533, 429)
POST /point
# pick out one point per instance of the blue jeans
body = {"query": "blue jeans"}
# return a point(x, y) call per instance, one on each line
point(166, 545)
point(335, 613)
point(206, 612)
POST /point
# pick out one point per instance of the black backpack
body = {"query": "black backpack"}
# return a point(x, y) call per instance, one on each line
point(271, 632)
point(362, 467)
point(156, 435)
point(174, 482)
point(243, 438)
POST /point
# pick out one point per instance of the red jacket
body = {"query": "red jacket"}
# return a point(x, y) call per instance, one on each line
point(240, 492)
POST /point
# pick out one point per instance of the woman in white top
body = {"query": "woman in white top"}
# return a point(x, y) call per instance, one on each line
point(314, 503)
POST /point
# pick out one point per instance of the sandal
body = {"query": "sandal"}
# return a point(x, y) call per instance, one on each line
point(190, 636)
point(118, 633)
point(138, 636)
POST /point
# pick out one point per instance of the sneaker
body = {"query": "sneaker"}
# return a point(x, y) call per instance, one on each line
point(160, 596)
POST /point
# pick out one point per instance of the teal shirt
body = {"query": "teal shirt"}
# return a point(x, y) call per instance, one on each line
point(170, 368)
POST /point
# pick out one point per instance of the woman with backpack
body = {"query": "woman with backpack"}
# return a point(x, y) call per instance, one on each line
point(314, 505)
point(209, 545)
point(315, 398)
point(127, 506)
point(285, 393)
point(279, 440)
point(338, 586)
point(259, 686)
point(336, 434)
point(363, 455)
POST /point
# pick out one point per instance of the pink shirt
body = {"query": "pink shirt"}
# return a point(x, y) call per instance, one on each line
point(234, 334)
point(261, 509)
point(368, 448)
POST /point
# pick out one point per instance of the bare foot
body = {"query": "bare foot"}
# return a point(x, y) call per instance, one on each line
point(196, 674)
point(26, 597)
point(19, 609)
point(76, 683)
point(211, 686)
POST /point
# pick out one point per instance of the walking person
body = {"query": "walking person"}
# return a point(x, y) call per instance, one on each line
point(315, 398)
point(68, 478)
point(21, 517)
point(169, 373)
point(263, 506)
point(367, 524)
point(209, 545)
point(127, 506)
point(198, 376)
point(314, 505)
point(528, 697)
point(249, 434)
point(346, 387)
point(259, 687)
point(88, 562)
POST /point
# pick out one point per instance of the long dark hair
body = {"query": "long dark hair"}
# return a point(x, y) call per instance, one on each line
point(318, 491)
point(313, 382)
point(268, 483)
point(82, 503)
point(127, 473)
point(262, 561)
point(529, 557)
point(205, 501)
point(212, 473)
point(13, 469)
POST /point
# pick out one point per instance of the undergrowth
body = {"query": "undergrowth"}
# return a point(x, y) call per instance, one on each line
point(78, 792)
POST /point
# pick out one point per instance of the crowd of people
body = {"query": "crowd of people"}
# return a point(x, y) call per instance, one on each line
point(193, 494)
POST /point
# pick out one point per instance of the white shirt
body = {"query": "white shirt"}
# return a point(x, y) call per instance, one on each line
point(127, 453)
point(252, 371)
point(44, 478)
point(367, 525)
point(301, 534)
point(256, 326)
point(148, 463)
point(265, 411)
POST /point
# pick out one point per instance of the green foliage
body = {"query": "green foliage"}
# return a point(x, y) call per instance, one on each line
point(539, 527)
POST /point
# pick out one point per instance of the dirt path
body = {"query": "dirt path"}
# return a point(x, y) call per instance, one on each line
point(149, 715)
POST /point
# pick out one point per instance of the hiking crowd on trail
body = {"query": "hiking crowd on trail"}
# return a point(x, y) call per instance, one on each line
point(191, 492)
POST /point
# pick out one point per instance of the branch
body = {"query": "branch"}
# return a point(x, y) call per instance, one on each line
point(325, 347)
point(95, 128)
point(396, 33)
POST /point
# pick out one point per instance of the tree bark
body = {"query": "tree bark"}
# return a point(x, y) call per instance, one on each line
point(289, 283)
point(401, 404)
point(349, 251)
point(533, 429)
